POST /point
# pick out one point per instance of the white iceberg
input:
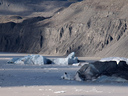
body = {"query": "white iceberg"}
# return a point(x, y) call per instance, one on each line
point(30, 59)
point(70, 59)
point(41, 60)
point(12, 60)
point(117, 59)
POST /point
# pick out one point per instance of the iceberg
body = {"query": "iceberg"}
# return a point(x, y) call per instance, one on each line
point(41, 60)
point(30, 59)
point(69, 60)
point(93, 71)
point(117, 59)
point(12, 60)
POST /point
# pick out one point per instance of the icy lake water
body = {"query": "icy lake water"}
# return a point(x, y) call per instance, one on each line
point(45, 80)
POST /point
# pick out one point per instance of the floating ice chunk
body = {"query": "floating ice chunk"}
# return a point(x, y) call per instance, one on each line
point(31, 59)
point(41, 60)
point(66, 76)
point(77, 78)
point(76, 64)
point(70, 59)
point(71, 55)
point(117, 59)
point(13, 60)
point(60, 61)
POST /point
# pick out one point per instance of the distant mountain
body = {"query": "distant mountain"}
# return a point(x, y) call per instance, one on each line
point(27, 7)
point(89, 28)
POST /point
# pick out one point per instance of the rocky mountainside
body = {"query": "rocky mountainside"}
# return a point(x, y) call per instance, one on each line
point(89, 28)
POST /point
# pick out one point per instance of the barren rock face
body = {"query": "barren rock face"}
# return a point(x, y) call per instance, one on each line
point(89, 28)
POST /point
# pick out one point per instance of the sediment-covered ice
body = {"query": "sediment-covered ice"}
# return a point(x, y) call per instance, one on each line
point(103, 71)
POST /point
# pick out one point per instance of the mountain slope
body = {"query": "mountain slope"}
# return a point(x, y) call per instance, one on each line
point(116, 49)
point(89, 28)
